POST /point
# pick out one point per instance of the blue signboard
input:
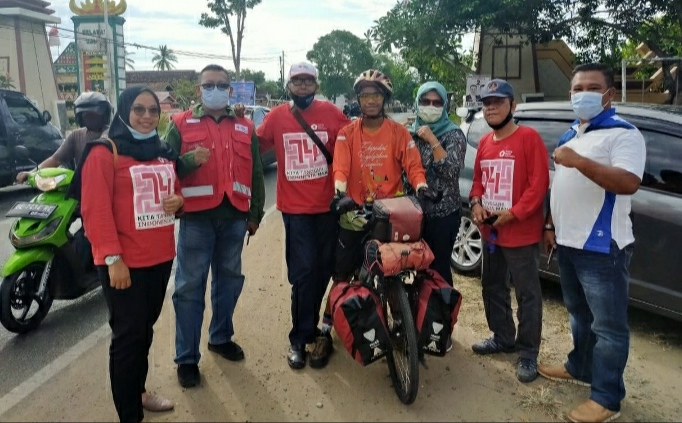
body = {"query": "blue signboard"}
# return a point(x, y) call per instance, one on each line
point(243, 92)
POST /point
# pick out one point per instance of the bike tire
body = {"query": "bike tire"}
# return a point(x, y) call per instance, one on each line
point(403, 343)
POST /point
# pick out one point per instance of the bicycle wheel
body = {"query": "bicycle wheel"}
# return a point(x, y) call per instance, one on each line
point(402, 358)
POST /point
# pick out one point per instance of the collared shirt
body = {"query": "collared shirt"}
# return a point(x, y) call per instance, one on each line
point(585, 215)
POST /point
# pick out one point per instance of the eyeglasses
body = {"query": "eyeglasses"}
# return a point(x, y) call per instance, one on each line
point(139, 111)
point(309, 82)
point(429, 102)
point(222, 86)
point(370, 97)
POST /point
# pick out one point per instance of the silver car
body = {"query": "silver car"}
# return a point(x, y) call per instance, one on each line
point(257, 114)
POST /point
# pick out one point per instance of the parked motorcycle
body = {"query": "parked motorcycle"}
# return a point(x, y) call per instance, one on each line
point(53, 259)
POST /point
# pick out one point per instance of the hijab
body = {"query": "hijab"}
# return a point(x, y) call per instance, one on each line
point(126, 145)
point(442, 125)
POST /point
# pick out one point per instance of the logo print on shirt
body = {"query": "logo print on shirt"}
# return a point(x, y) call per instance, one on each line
point(241, 128)
point(498, 181)
point(507, 154)
point(303, 160)
point(151, 184)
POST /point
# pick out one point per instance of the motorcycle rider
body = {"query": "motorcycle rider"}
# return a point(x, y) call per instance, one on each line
point(93, 114)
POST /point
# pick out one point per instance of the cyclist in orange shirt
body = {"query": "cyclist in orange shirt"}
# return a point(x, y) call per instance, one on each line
point(369, 159)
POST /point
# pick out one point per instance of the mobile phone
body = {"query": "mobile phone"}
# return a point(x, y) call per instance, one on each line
point(549, 258)
point(490, 219)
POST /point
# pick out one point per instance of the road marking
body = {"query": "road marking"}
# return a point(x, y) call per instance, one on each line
point(27, 387)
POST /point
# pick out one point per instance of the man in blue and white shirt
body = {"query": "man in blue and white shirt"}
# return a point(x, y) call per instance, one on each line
point(600, 163)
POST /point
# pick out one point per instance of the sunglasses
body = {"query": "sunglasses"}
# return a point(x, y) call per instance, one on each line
point(370, 97)
point(309, 82)
point(222, 86)
point(429, 102)
point(140, 110)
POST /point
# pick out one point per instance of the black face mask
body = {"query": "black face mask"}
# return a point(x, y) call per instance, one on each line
point(302, 101)
point(503, 123)
point(94, 123)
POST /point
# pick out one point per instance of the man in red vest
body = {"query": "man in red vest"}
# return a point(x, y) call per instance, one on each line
point(221, 176)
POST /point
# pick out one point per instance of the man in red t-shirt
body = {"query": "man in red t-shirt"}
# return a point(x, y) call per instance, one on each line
point(511, 178)
point(304, 191)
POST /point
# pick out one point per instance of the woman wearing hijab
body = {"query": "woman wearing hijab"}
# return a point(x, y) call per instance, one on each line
point(442, 146)
point(130, 196)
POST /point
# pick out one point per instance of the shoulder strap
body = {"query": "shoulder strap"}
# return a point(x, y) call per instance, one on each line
point(313, 136)
point(114, 150)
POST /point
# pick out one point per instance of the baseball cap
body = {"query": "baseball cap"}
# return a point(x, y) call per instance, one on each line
point(303, 68)
point(497, 88)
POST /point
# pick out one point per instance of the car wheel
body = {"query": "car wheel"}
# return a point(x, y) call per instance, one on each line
point(468, 250)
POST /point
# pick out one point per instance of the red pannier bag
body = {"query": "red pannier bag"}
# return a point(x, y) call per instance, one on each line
point(398, 219)
point(391, 258)
point(359, 321)
point(437, 310)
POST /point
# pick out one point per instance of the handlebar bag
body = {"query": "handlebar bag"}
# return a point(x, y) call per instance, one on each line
point(437, 311)
point(398, 219)
point(359, 321)
point(390, 258)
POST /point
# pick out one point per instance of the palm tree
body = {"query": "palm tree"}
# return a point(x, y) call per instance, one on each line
point(164, 59)
point(129, 61)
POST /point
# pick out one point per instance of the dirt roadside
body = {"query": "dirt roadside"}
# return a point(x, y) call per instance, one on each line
point(458, 387)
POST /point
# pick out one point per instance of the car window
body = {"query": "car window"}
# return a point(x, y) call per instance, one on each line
point(477, 129)
point(663, 166)
point(22, 111)
point(550, 131)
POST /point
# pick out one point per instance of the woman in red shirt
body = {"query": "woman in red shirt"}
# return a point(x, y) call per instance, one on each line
point(130, 195)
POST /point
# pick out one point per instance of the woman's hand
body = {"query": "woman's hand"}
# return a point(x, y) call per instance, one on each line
point(479, 213)
point(424, 132)
point(119, 275)
point(172, 203)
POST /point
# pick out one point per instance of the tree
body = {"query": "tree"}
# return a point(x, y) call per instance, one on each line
point(6, 82)
point(405, 79)
point(221, 11)
point(185, 92)
point(129, 61)
point(164, 59)
point(340, 57)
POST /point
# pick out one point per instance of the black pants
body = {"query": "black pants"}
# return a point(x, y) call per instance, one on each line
point(349, 253)
point(132, 314)
point(522, 264)
point(440, 234)
point(310, 241)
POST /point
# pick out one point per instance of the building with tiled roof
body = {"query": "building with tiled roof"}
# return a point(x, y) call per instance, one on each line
point(160, 81)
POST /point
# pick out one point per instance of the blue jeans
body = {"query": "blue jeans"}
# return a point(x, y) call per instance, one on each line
point(310, 242)
point(202, 244)
point(595, 290)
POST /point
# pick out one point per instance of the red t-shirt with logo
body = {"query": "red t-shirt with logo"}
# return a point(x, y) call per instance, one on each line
point(513, 174)
point(304, 178)
point(122, 210)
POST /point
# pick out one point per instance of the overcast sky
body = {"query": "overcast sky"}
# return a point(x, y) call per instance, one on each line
point(272, 26)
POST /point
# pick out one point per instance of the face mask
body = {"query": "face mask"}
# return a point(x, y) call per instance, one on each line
point(137, 134)
point(94, 123)
point(587, 104)
point(215, 99)
point(429, 114)
point(302, 101)
point(503, 123)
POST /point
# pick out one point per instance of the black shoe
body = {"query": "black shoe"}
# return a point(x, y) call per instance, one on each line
point(491, 346)
point(230, 350)
point(296, 357)
point(526, 370)
point(188, 375)
point(323, 348)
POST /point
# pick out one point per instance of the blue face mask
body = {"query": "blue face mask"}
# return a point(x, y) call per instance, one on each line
point(215, 99)
point(137, 134)
point(587, 104)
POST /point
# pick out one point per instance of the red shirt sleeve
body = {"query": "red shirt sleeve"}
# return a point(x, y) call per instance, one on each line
point(265, 132)
point(537, 168)
point(97, 203)
point(342, 156)
point(477, 189)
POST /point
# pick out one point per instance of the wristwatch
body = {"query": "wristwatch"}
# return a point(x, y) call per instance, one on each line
point(474, 201)
point(109, 260)
point(549, 227)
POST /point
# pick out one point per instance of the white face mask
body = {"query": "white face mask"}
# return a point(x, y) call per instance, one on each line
point(429, 114)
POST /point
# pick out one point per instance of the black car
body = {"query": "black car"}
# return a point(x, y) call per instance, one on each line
point(22, 124)
point(656, 267)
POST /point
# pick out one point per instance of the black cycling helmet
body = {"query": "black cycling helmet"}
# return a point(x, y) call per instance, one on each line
point(92, 101)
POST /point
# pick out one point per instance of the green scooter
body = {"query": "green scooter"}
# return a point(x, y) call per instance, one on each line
point(53, 259)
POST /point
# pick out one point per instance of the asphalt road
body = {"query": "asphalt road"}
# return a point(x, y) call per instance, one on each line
point(68, 322)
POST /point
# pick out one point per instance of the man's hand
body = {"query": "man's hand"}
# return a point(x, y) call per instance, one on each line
point(503, 217)
point(172, 203)
point(201, 155)
point(239, 110)
point(566, 156)
point(549, 239)
point(22, 177)
point(119, 275)
point(425, 133)
point(252, 228)
point(341, 203)
point(479, 213)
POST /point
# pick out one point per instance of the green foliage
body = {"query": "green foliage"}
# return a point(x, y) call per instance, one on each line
point(164, 59)
point(340, 57)
point(185, 92)
point(164, 122)
point(6, 82)
point(405, 79)
point(221, 12)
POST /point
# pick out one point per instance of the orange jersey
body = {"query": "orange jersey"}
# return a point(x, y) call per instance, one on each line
point(371, 163)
